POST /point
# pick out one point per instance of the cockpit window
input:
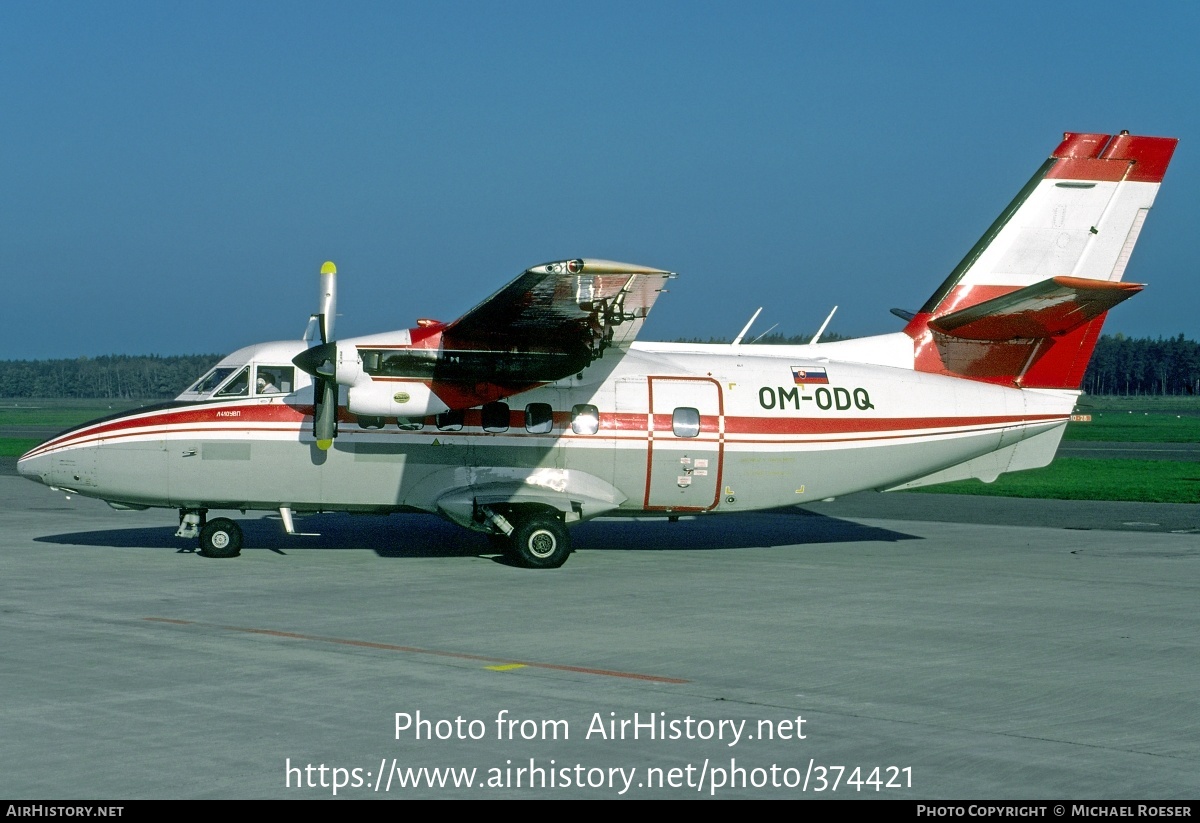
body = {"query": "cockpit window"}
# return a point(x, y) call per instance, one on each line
point(238, 386)
point(275, 380)
point(210, 381)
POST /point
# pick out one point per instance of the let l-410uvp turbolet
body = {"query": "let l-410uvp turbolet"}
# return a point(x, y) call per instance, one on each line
point(536, 409)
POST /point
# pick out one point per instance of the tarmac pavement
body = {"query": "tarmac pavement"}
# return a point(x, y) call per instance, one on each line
point(904, 646)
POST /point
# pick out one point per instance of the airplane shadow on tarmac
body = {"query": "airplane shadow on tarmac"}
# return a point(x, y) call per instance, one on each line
point(420, 535)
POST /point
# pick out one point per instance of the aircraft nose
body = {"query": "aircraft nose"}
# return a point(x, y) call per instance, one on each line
point(34, 467)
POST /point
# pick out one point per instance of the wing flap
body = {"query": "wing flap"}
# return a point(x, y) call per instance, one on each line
point(564, 306)
point(1050, 308)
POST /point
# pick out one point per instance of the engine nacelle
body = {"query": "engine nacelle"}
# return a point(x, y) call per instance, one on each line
point(392, 399)
point(348, 366)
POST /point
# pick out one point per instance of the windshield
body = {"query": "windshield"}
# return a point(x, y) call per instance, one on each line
point(238, 386)
point(210, 381)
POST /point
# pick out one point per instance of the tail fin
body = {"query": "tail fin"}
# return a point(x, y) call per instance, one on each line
point(1026, 304)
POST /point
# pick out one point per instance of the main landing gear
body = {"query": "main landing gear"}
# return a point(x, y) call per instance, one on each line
point(535, 539)
point(539, 542)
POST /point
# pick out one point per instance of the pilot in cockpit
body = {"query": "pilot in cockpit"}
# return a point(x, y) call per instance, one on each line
point(266, 383)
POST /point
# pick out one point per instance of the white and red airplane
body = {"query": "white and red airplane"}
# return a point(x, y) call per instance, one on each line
point(536, 409)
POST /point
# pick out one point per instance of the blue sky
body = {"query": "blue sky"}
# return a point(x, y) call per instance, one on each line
point(173, 174)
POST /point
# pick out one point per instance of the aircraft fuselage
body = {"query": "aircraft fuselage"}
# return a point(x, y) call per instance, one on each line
point(667, 430)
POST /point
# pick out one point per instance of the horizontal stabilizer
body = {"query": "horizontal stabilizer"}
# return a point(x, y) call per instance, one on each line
point(1050, 308)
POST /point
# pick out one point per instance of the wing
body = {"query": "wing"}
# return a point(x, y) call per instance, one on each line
point(565, 307)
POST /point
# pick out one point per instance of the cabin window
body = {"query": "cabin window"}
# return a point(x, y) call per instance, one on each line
point(275, 380)
point(406, 362)
point(685, 422)
point(370, 421)
point(450, 421)
point(495, 417)
point(370, 360)
point(539, 418)
point(585, 419)
point(239, 386)
point(410, 424)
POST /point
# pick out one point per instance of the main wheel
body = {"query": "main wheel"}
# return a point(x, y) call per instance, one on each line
point(539, 542)
point(221, 538)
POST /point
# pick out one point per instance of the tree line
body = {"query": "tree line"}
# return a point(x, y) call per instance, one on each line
point(110, 377)
point(1120, 366)
point(1125, 365)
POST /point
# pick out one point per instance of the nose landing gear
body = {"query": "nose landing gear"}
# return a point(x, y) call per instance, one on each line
point(221, 538)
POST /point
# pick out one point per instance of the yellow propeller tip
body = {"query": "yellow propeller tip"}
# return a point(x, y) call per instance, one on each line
point(328, 268)
point(324, 445)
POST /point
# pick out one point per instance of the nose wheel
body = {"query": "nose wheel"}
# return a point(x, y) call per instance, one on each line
point(221, 538)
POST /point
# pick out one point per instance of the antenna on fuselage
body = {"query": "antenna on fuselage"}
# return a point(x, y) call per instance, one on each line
point(764, 334)
point(738, 340)
point(821, 330)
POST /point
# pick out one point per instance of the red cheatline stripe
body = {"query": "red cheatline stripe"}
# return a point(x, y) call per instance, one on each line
point(226, 416)
point(808, 430)
point(893, 425)
point(84, 438)
point(252, 418)
point(735, 425)
point(391, 647)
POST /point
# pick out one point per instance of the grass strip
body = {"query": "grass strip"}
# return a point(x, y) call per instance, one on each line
point(1136, 428)
point(16, 446)
point(1072, 478)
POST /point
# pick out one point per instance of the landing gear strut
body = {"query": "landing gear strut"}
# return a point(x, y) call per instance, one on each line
point(191, 521)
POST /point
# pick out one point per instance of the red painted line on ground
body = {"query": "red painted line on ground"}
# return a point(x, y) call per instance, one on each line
point(391, 647)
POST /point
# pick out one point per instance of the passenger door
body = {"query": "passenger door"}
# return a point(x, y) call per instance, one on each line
point(686, 433)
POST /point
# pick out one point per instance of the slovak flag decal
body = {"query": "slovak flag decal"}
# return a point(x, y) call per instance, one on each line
point(809, 376)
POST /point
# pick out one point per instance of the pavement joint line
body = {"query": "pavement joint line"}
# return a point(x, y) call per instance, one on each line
point(495, 663)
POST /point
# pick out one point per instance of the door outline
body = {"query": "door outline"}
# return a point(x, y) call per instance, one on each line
point(666, 434)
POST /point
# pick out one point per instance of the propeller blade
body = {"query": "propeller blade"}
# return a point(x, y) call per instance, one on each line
point(327, 301)
point(325, 413)
point(321, 362)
